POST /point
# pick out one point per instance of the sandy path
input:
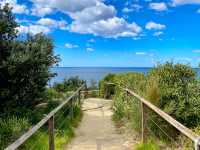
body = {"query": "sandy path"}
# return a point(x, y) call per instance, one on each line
point(96, 131)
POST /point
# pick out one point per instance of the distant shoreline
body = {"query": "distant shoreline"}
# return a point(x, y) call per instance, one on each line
point(106, 67)
point(96, 73)
point(115, 67)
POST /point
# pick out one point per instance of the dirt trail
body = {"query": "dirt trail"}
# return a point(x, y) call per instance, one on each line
point(97, 131)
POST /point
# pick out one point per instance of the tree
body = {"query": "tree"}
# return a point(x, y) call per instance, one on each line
point(24, 66)
point(7, 31)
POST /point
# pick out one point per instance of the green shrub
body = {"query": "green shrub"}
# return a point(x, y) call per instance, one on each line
point(106, 92)
point(177, 92)
point(150, 145)
point(64, 130)
point(52, 94)
point(10, 129)
point(174, 88)
point(118, 106)
point(70, 84)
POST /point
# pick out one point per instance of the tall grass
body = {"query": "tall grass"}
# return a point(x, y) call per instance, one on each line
point(127, 109)
point(150, 145)
point(11, 128)
point(173, 88)
point(64, 130)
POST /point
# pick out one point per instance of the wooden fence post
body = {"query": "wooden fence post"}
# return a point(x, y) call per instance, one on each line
point(196, 144)
point(99, 92)
point(105, 91)
point(79, 97)
point(144, 122)
point(71, 109)
point(51, 133)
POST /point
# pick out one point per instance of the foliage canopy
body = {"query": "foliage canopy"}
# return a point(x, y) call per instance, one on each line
point(24, 66)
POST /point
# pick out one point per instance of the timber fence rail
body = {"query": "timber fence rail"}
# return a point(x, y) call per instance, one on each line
point(75, 98)
point(146, 105)
point(91, 93)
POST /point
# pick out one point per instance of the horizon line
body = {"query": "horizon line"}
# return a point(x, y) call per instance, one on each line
point(194, 67)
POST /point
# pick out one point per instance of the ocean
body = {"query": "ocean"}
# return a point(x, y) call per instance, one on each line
point(91, 73)
point(94, 73)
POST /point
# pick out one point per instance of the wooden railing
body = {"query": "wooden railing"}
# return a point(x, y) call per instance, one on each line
point(177, 125)
point(91, 93)
point(47, 119)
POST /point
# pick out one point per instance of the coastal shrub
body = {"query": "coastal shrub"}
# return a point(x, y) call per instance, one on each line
point(64, 130)
point(177, 92)
point(104, 90)
point(127, 109)
point(150, 145)
point(11, 128)
point(118, 106)
point(174, 88)
point(52, 94)
point(70, 84)
point(24, 66)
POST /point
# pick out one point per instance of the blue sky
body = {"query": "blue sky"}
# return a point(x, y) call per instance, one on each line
point(115, 33)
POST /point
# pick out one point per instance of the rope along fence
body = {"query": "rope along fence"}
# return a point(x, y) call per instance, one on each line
point(51, 125)
point(153, 122)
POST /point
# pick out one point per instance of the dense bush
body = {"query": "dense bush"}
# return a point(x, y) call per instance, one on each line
point(106, 91)
point(12, 128)
point(70, 84)
point(24, 73)
point(172, 87)
point(24, 66)
point(177, 92)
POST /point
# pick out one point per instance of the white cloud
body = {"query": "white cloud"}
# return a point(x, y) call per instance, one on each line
point(140, 53)
point(44, 25)
point(69, 45)
point(53, 23)
point(47, 22)
point(127, 10)
point(33, 29)
point(110, 28)
point(97, 12)
point(91, 41)
point(93, 17)
point(20, 9)
point(184, 2)
point(158, 6)
point(136, 7)
point(66, 6)
point(17, 9)
point(196, 51)
point(136, 38)
point(23, 20)
point(156, 26)
point(89, 49)
point(158, 33)
point(41, 11)
point(198, 11)
point(133, 7)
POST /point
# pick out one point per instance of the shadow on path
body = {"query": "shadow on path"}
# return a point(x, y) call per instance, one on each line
point(97, 131)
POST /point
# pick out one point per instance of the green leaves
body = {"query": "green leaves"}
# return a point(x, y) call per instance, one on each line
point(24, 66)
point(172, 87)
point(175, 83)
